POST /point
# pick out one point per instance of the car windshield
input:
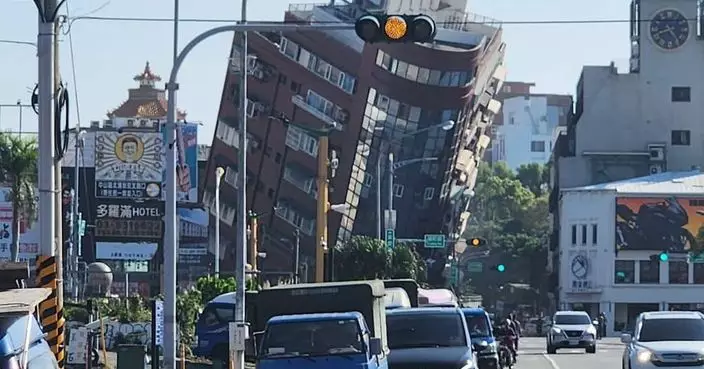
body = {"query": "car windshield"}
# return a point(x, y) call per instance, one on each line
point(679, 329)
point(572, 319)
point(425, 330)
point(477, 325)
point(312, 338)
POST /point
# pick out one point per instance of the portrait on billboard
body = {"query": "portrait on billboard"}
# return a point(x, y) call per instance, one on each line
point(129, 165)
point(671, 224)
point(186, 162)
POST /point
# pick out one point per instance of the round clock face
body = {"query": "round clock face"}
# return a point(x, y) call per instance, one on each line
point(669, 29)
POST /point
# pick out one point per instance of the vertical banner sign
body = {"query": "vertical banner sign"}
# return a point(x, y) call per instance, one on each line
point(29, 232)
point(186, 162)
point(129, 165)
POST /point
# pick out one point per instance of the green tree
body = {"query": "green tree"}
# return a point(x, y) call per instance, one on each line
point(364, 258)
point(211, 287)
point(534, 176)
point(18, 169)
point(511, 212)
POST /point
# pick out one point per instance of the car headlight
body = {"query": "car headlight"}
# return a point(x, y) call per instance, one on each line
point(468, 365)
point(556, 330)
point(644, 356)
point(591, 330)
point(490, 348)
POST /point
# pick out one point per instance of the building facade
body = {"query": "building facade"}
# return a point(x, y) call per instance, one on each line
point(638, 123)
point(611, 236)
point(529, 124)
point(378, 95)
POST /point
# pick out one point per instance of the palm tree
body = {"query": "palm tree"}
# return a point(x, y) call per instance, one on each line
point(18, 170)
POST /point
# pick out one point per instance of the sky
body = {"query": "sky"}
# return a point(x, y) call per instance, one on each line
point(108, 54)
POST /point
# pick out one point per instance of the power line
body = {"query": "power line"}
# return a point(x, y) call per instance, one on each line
point(497, 22)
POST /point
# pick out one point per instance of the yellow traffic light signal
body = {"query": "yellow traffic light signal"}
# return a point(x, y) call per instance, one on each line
point(395, 28)
point(477, 241)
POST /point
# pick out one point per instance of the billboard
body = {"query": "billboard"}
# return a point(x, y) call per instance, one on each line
point(129, 165)
point(194, 258)
point(186, 162)
point(29, 232)
point(672, 224)
point(129, 220)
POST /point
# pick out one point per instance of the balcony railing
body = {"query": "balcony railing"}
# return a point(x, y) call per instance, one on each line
point(300, 102)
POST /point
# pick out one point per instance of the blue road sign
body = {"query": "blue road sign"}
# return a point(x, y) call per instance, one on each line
point(390, 238)
point(434, 241)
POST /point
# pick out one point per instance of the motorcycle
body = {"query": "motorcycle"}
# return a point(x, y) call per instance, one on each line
point(507, 357)
point(656, 226)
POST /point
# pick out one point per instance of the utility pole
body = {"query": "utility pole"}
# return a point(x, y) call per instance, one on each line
point(48, 265)
point(297, 257)
point(321, 233)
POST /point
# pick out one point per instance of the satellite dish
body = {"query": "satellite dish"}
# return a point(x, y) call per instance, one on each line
point(99, 280)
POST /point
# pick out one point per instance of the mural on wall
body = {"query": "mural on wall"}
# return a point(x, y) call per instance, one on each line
point(672, 224)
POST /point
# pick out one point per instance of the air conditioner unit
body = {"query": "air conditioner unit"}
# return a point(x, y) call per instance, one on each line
point(257, 73)
point(657, 152)
point(342, 116)
point(656, 168)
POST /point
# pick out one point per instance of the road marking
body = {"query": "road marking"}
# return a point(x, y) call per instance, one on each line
point(552, 362)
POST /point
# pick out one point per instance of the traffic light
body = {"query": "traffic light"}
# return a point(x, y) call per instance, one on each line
point(395, 28)
point(663, 256)
point(477, 241)
point(499, 268)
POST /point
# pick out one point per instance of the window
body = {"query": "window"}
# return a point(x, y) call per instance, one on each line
point(572, 319)
point(368, 179)
point(574, 234)
point(677, 329)
point(425, 330)
point(398, 190)
point(428, 193)
point(537, 146)
point(584, 234)
point(507, 89)
point(698, 271)
point(231, 177)
point(679, 272)
point(649, 271)
point(624, 271)
point(511, 118)
point(681, 137)
point(320, 103)
point(681, 94)
point(423, 75)
point(290, 48)
point(594, 234)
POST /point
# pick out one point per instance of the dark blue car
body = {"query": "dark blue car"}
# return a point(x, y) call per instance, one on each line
point(486, 347)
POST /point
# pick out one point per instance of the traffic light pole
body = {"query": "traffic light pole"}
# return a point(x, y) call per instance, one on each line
point(170, 236)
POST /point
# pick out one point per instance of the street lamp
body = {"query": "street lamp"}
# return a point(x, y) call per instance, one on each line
point(219, 171)
point(445, 126)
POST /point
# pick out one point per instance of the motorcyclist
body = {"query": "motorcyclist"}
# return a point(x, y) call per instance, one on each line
point(508, 334)
point(516, 328)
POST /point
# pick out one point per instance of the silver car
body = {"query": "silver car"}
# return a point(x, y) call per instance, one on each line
point(571, 329)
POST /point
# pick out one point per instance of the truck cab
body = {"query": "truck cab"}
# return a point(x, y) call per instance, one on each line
point(339, 340)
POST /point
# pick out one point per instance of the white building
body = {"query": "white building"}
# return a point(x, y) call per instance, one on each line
point(526, 129)
point(595, 278)
point(648, 120)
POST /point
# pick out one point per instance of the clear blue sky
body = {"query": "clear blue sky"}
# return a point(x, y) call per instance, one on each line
point(109, 54)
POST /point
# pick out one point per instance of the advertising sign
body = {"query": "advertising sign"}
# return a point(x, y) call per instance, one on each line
point(672, 224)
point(130, 220)
point(29, 233)
point(186, 162)
point(125, 250)
point(129, 165)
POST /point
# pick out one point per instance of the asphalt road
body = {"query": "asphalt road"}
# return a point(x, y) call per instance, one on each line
point(532, 355)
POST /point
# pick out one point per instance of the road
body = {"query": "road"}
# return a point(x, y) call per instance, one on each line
point(532, 355)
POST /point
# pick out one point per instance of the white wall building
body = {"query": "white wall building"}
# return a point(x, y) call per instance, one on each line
point(527, 133)
point(594, 278)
